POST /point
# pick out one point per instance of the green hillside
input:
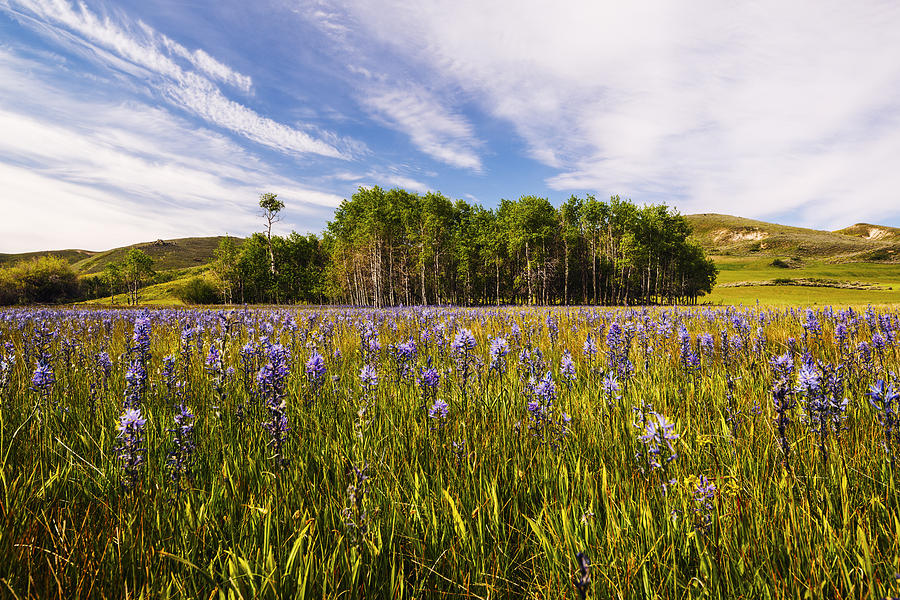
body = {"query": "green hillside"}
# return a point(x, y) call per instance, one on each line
point(167, 255)
point(726, 235)
point(71, 256)
point(783, 265)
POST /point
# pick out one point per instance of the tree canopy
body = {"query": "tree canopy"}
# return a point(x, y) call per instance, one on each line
point(392, 247)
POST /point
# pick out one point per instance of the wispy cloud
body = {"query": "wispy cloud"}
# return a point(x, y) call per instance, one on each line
point(142, 52)
point(90, 173)
point(395, 99)
point(433, 128)
point(758, 109)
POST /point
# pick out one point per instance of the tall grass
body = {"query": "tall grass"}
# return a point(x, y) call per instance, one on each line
point(377, 499)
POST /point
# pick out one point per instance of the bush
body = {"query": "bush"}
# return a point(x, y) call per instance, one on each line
point(45, 280)
point(198, 290)
point(780, 264)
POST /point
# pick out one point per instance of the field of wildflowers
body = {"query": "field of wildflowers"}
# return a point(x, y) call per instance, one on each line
point(449, 453)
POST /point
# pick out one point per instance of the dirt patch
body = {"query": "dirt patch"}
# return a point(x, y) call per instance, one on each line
point(804, 282)
point(877, 233)
point(733, 236)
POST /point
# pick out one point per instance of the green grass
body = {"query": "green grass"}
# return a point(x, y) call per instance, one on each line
point(756, 269)
point(789, 295)
point(502, 518)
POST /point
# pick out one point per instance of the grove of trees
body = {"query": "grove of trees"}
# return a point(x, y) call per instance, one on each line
point(394, 247)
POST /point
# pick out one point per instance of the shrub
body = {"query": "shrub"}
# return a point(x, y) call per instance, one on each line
point(45, 280)
point(198, 290)
point(780, 264)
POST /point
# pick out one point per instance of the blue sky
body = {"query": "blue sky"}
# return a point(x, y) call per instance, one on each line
point(131, 121)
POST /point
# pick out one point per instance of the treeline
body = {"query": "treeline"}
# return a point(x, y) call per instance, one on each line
point(393, 247)
point(390, 247)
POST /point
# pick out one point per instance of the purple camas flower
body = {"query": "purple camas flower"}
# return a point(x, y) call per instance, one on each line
point(826, 407)
point(180, 459)
point(315, 366)
point(368, 376)
point(546, 389)
point(811, 324)
point(498, 349)
point(618, 348)
point(707, 344)
point(783, 400)
point(429, 378)
point(141, 337)
point(704, 494)
point(864, 352)
point(130, 446)
point(213, 360)
point(404, 354)
point(783, 365)
point(272, 379)
point(885, 400)
point(658, 438)
point(610, 387)
point(7, 362)
point(462, 346)
point(552, 327)
point(809, 381)
point(169, 376)
point(135, 378)
point(567, 368)
point(43, 379)
point(689, 359)
point(590, 347)
point(104, 363)
point(463, 342)
point(407, 351)
point(438, 410)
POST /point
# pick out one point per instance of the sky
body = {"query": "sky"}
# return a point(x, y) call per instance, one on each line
point(123, 122)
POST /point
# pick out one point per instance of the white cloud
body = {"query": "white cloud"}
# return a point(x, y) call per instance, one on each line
point(442, 134)
point(86, 173)
point(756, 109)
point(144, 53)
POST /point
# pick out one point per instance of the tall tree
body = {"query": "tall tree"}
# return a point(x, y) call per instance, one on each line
point(271, 207)
point(225, 266)
point(136, 267)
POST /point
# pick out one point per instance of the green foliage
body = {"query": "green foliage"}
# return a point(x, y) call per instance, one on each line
point(393, 247)
point(198, 290)
point(45, 280)
point(136, 269)
point(501, 517)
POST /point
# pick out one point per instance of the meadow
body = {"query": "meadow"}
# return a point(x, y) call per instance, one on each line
point(449, 453)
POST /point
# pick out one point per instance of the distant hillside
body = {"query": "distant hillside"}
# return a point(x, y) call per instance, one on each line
point(737, 236)
point(72, 256)
point(167, 255)
point(880, 233)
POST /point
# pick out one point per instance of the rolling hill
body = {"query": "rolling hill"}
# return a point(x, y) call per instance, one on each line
point(167, 255)
point(726, 235)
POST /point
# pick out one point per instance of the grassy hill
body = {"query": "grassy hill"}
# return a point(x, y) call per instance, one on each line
point(784, 265)
point(167, 255)
point(726, 235)
point(71, 256)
